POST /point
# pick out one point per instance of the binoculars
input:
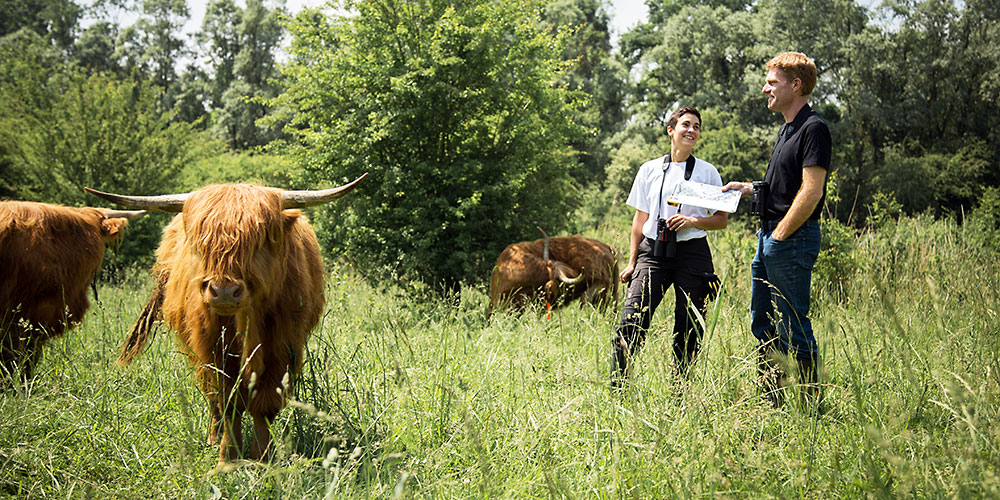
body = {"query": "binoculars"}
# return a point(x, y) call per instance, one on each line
point(758, 204)
point(665, 244)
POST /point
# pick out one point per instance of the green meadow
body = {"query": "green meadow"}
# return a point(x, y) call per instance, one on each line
point(408, 395)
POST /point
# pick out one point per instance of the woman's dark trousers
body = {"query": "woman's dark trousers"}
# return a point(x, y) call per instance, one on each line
point(688, 271)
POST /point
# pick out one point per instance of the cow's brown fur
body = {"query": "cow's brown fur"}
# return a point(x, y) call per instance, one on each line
point(520, 271)
point(48, 256)
point(237, 233)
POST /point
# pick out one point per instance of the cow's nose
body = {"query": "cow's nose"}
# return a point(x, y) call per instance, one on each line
point(226, 294)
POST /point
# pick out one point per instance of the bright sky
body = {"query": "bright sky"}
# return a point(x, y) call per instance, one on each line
point(625, 15)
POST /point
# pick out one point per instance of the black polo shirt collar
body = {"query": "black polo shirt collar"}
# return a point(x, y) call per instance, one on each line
point(788, 129)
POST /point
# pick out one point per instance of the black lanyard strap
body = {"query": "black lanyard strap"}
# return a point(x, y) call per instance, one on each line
point(688, 170)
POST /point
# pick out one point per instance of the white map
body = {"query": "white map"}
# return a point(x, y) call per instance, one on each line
point(705, 196)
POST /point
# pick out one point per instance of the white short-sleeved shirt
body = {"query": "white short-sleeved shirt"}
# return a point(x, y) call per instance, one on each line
point(646, 190)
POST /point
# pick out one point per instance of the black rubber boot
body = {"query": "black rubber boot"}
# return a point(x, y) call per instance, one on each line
point(810, 389)
point(770, 375)
point(686, 349)
point(620, 357)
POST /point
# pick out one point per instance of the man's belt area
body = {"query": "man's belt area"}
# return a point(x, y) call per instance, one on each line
point(769, 224)
point(772, 224)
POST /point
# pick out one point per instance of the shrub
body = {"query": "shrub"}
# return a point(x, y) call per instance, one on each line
point(982, 228)
point(836, 264)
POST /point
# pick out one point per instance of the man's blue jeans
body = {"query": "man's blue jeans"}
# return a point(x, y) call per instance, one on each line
point(781, 273)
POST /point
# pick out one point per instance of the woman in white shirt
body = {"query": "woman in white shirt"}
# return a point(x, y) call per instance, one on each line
point(667, 248)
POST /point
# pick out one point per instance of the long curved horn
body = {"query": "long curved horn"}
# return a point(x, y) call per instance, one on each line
point(302, 199)
point(545, 251)
point(164, 203)
point(122, 214)
point(561, 274)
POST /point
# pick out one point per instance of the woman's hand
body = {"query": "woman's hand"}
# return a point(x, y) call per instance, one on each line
point(678, 222)
point(626, 273)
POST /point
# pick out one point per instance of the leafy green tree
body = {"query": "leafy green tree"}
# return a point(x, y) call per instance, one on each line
point(912, 111)
point(867, 76)
point(959, 184)
point(661, 10)
point(29, 66)
point(62, 130)
point(191, 92)
point(220, 41)
point(595, 72)
point(740, 153)
point(906, 177)
point(227, 166)
point(260, 31)
point(243, 43)
point(54, 20)
point(822, 29)
point(151, 48)
point(639, 40)
point(94, 50)
point(452, 109)
point(708, 58)
point(161, 25)
point(983, 31)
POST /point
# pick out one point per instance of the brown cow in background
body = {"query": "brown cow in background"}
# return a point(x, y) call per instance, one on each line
point(562, 267)
point(48, 256)
point(240, 279)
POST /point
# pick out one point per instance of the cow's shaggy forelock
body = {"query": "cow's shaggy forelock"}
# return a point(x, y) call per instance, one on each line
point(236, 230)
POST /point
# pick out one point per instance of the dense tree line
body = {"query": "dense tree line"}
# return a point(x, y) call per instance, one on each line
point(478, 120)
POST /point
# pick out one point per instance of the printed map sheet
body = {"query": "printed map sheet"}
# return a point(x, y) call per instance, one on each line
point(706, 196)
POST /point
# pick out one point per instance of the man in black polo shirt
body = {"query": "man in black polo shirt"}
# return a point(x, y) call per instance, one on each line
point(789, 238)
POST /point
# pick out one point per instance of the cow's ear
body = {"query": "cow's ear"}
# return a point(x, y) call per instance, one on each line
point(111, 227)
point(291, 216)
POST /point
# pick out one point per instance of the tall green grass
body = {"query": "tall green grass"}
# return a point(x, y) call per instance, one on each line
point(403, 396)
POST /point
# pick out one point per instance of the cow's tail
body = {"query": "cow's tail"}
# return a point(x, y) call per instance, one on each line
point(144, 327)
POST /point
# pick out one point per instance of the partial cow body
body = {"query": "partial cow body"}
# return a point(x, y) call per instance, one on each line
point(239, 277)
point(49, 254)
point(522, 270)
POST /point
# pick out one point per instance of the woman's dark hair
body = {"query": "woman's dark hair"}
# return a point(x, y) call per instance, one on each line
point(681, 111)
